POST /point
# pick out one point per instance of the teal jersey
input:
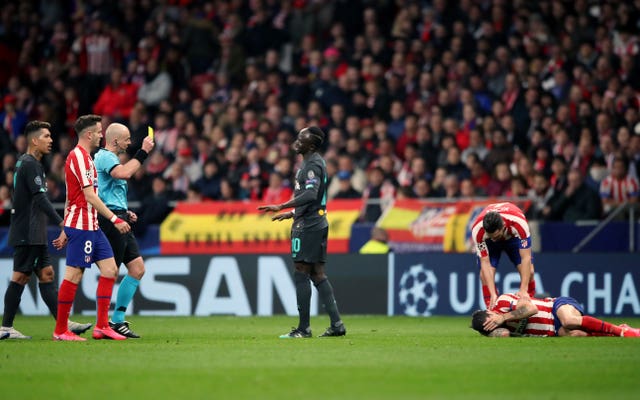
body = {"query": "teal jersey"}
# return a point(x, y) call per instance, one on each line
point(112, 191)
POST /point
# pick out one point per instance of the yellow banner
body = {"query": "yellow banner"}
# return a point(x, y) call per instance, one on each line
point(241, 228)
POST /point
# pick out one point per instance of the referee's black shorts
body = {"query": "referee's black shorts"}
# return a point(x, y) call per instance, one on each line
point(309, 246)
point(31, 258)
point(124, 246)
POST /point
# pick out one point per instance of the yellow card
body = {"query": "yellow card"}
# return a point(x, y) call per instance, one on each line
point(150, 134)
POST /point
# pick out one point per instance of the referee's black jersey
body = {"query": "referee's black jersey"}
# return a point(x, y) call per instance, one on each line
point(312, 176)
point(28, 221)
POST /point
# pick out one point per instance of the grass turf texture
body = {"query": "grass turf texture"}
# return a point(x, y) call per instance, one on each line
point(380, 358)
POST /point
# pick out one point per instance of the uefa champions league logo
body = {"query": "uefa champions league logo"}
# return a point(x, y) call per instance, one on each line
point(418, 293)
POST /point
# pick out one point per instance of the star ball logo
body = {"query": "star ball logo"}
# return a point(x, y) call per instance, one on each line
point(418, 293)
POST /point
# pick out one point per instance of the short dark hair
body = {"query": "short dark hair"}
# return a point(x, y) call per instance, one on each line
point(622, 159)
point(85, 121)
point(317, 135)
point(492, 221)
point(478, 319)
point(33, 127)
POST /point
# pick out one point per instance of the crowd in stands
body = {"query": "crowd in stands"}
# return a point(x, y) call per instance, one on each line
point(418, 99)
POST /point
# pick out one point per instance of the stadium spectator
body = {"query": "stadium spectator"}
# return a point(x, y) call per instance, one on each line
point(476, 145)
point(278, 191)
point(619, 187)
point(540, 194)
point(518, 187)
point(500, 183)
point(357, 176)
point(209, 183)
point(345, 188)
point(155, 206)
point(576, 202)
point(12, 120)
point(156, 86)
point(467, 190)
point(377, 195)
point(561, 316)
point(377, 244)
point(117, 99)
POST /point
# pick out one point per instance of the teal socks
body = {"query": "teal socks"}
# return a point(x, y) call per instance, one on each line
point(127, 289)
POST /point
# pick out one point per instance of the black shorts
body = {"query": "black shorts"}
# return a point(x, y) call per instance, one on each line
point(125, 247)
point(309, 246)
point(31, 258)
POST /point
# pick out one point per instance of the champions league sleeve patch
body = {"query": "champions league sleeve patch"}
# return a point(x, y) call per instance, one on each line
point(311, 180)
point(309, 183)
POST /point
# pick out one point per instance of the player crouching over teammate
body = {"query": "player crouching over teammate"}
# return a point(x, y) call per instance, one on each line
point(560, 316)
point(502, 227)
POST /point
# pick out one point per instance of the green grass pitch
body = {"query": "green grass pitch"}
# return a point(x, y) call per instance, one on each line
point(380, 358)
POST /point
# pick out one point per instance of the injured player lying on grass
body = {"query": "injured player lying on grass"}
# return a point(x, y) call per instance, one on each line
point(559, 316)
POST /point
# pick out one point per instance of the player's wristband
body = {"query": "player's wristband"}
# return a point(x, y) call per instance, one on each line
point(115, 220)
point(141, 155)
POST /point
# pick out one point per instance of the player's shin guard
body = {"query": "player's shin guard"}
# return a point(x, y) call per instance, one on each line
point(103, 298)
point(127, 289)
point(49, 294)
point(325, 290)
point(66, 294)
point(303, 296)
point(591, 324)
point(531, 289)
point(11, 303)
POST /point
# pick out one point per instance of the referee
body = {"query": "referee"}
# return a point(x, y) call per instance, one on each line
point(309, 234)
point(28, 231)
point(112, 190)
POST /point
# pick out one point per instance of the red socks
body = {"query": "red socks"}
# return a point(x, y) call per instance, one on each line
point(486, 295)
point(531, 289)
point(66, 294)
point(103, 298)
point(591, 324)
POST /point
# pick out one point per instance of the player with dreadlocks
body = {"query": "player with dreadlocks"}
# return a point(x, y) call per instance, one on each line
point(309, 234)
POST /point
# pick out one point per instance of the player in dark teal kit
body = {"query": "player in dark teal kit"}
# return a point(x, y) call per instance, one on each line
point(309, 233)
point(28, 231)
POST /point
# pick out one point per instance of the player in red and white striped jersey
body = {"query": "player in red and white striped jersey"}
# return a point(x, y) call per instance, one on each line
point(560, 316)
point(619, 187)
point(87, 243)
point(503, 227)
point(539, 324)
point(80, 173)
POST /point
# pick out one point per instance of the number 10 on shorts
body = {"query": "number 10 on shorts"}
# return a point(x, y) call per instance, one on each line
point(295, 245)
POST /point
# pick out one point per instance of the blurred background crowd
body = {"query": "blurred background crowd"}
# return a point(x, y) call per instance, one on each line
point(418, 99)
